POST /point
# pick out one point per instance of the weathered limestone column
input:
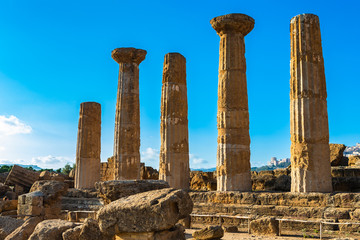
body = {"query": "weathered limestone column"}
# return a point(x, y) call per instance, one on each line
point(310, 154)
point(233, 153)
point(88, 146)
point(174, 151)
point(127, 118)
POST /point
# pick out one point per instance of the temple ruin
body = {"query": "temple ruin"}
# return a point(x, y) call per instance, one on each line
point(127, 118)
point(318, 195)
point(174, 152)
point(310, 154)
point(88, 147)
point(233, 153)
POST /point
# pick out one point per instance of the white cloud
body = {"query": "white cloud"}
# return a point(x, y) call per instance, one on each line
point(2, 148)
point(197, 160)
point(11, 162)
point(50, 161)
point(12, 125)
point(150, 155)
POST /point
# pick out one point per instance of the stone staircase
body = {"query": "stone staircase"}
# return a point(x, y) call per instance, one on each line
point(77, 205)
point(81, 204)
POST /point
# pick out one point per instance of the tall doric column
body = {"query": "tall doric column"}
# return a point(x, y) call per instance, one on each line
point(233, 153)
point(127, 118)
point(174, 151)
point(88, 146)
point(310, 154)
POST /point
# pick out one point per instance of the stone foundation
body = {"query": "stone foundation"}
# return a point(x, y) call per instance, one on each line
point(337, 207)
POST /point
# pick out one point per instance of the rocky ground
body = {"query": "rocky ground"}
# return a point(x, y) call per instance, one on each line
point(287, 236)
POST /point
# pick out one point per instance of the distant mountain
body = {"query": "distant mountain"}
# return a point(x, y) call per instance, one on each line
point(258, 169)
point(204, 169)
point(268, 168)
point(35, 167)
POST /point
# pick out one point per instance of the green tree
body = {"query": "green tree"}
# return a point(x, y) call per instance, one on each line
point(5, 168)
point(30, 168)
point(66, 169)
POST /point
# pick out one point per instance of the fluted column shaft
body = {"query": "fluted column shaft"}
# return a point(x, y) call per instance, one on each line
point(127, 117)
point(88, 146)
point(174, 151)
point(233, 153)
point(310, 154)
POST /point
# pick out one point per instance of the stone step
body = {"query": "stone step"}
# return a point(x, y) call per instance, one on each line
point(243, 224)
point(273, 210)
point(74, 204)
point(342, 200)
point(77, 216)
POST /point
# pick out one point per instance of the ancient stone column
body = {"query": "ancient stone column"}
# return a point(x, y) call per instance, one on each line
point(127, 118)
point(233, 153)
point(88, 145)
point(310, 156)
point(174, 151)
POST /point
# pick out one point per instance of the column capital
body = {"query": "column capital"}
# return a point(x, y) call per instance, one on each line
point(128, 55)
point(234, 22)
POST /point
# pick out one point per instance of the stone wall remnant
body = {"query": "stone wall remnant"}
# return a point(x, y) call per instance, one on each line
point(107, 170)
point(233, 153)
point(127, 117)
point(88, 146)
point(310, 154)
point(174, 151)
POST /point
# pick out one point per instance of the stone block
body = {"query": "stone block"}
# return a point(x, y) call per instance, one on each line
point(24, 231)
point(145, 212)
point(264, 226)
point(8, 225)
point(21, 178)
point(112, 190)
point(336, 153)
point(354, 161)
point(51, 229)
point(211, 232)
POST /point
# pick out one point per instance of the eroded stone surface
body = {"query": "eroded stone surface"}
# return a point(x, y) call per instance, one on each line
point(174, 233)
point(25, 230)
point(51, 189)
point(264, 226)
point(354, 161)
point(8, 225)
point(174, 151)
point(310, 154)
point(336, 153)
point(147, 172)
point(210, 232)
point(233, 153)
point(72, 233)
point(202, 181)
point(127, 117)
point(88, 145)
point(21, 178)
point(51, 229)
point(110, 191)
point(145, 212)
point(90, 231)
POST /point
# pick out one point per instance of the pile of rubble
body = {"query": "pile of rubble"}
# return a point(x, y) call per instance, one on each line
point(134, 209)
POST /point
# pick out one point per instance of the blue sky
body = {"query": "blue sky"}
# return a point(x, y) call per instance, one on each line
point(56, 54)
